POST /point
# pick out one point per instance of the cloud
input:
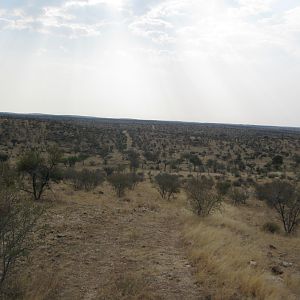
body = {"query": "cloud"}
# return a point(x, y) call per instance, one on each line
point(246, 30)
point(56, 20)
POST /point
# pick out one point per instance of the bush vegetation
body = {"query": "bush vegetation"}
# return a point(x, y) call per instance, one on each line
point(203, 198)
point(167, 185)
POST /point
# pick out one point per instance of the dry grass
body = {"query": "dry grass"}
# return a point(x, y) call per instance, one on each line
point(222, 247)
point(126, 285)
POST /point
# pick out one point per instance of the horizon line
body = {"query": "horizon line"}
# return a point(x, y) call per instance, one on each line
point(146, 120)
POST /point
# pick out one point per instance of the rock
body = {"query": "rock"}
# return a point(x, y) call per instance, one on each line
point(252, 263)
point(277, 270)
point(286, 264)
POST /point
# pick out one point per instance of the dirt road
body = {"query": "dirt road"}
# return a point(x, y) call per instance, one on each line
point(101, 247)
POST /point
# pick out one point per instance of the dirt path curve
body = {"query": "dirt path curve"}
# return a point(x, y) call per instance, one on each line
point(112, 249)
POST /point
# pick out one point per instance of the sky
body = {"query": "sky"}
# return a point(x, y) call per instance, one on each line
point(221, 61)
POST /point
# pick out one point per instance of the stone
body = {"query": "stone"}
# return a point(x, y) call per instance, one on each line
point(252, 263)
point(286, 264)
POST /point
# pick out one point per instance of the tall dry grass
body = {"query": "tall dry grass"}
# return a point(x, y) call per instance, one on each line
point(231, 258)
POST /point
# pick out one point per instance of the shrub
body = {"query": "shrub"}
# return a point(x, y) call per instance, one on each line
point(271, 227)
point(17, 220)
point(134, 179)
point(203, 198)
point(239, 195)
point(284, 197)
point(84, 179)
point(120, 182)
point(40, 170)
point(7, 175)
point(134, 159)
point(223, 187)
point(108, 171)
point(3, 157)
point(167, 185)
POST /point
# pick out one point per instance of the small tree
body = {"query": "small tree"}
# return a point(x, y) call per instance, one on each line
point(167, 185)
point(41, 170)
point(203, 198)
point(284, 197)
point(120, 182)
point(17, 219)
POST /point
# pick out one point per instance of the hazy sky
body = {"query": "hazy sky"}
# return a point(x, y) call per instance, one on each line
point(233, 61)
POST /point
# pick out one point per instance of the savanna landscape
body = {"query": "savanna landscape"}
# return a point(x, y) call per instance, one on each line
point(95, 208)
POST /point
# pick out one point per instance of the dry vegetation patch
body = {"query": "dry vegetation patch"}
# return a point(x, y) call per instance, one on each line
point(235, 258)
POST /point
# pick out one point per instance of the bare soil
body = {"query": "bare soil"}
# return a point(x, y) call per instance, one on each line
point(96, 246)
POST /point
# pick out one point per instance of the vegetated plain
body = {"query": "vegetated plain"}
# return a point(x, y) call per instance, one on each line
point(127, 209)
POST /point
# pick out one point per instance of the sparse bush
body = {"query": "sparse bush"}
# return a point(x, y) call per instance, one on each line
point(284, 197)
point(3, 157)
point(271, 227)
point(203, 198)
point(120, 182)
point(40, 170)
point(239, 195)
point(70, 161)
point(223, 187)
point(108, 171)
point(134, 179)
point(167, 185)
point(84, 179)
point(17, 219)
point(7, 175)
point(134, 159)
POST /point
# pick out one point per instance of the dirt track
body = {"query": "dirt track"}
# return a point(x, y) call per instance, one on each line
point(100, 247)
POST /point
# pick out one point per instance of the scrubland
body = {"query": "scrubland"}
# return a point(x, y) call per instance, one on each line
point(117, 218)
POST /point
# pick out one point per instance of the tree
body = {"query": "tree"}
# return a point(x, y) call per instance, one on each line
point(203, 198)
point(40, 170)
point(17, 220)
point(284, 197)
point(167, 185)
